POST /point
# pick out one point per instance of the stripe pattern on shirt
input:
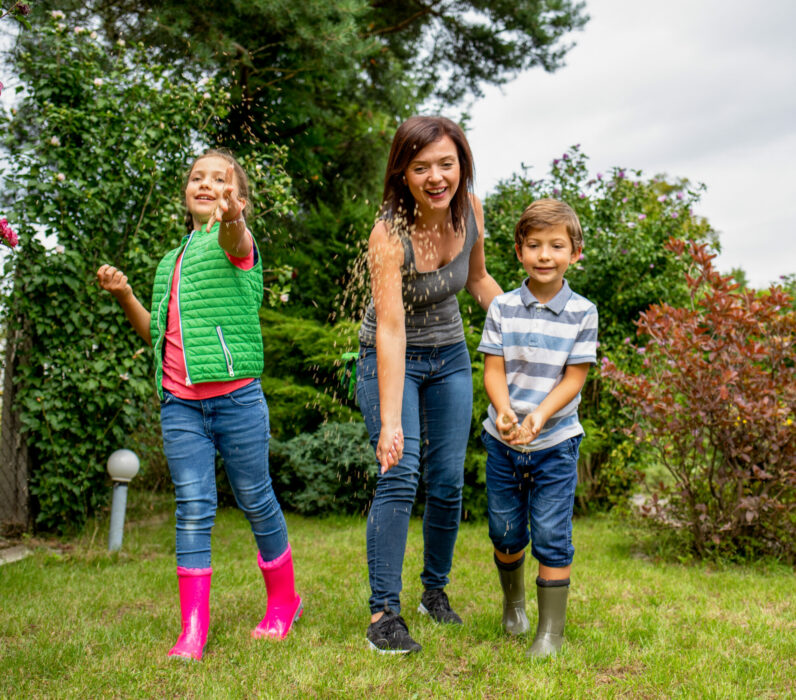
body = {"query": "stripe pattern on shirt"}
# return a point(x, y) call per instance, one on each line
point(537, 341)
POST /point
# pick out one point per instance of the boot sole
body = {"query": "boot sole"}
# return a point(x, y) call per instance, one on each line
point(296, 616)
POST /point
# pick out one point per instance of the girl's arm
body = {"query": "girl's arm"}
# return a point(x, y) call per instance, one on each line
point(115, 282)
point(385, 257)
point(480, 283)
point(233, 236)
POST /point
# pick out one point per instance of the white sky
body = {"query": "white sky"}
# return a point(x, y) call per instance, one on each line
point(702, 89)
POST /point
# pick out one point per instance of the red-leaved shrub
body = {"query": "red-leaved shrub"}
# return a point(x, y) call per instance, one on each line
point(715, 401)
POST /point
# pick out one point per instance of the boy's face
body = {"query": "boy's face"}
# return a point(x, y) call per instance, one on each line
point(545, 255)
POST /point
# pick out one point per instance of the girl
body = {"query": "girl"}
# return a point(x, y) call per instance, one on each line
point(414, 380)
point(205, 331)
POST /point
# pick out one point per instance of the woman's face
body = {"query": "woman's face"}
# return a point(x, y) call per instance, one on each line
point(433, 176)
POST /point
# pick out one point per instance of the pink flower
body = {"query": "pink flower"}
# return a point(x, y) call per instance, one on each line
point(679, 195)
point(599, 176)
point(1, 88)
point(556, 191)
point(662, 198)
point(641, 217)
point(6, 234)
point(626, 341)
point(284, 297)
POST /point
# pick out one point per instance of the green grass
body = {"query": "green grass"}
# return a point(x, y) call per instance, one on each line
point(81, 623)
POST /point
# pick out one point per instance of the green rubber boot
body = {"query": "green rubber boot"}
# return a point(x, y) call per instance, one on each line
point(512, 581)
point(552, 617)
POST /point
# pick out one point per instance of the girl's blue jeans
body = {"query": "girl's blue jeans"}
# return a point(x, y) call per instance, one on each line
point(235, 425)
point(530, 497)
point(435, 416)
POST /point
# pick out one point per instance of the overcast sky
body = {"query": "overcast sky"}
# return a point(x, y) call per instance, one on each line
point(701, 89)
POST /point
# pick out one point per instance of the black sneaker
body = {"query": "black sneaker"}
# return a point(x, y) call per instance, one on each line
point(390, 635)
point(434, 603)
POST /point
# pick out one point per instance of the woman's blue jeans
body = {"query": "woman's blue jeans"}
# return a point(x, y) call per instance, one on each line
point(235, 425)
point(435, 416)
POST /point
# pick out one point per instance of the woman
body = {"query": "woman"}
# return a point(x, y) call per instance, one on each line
point(414, 380)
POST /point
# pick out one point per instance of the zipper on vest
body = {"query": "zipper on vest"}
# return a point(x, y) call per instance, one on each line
point(227, 353)
point(179, 313)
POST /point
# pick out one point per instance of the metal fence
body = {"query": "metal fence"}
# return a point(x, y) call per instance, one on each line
point(14, 466)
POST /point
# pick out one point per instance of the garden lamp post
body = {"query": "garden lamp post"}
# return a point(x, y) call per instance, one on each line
point(122, 466)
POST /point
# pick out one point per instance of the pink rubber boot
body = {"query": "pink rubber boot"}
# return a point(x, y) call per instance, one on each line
point(195, 612)
point(284, 606)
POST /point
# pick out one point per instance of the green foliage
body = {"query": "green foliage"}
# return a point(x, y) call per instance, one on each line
point(98, 144)
point(330, 80)
point(300, 380)
point(626, 223)
point(332, 470)
point(715, 402)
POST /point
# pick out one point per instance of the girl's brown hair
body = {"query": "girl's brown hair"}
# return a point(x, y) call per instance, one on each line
point(412, 137)
point(241, 180)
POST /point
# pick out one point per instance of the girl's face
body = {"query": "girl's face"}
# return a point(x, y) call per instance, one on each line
point(433, 175)
point(205, 188)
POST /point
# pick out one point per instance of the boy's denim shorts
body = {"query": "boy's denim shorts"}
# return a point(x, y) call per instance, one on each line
point(536, 488)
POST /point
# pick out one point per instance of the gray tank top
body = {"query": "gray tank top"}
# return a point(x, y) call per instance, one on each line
point(431, 311)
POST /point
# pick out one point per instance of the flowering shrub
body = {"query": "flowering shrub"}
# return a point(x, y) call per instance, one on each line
point(98, 144)
point(715, 401)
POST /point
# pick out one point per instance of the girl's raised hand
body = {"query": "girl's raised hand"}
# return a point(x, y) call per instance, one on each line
point(114, 281)
point(230, 206)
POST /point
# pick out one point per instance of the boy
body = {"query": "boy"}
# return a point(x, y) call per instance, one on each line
point(539, 341)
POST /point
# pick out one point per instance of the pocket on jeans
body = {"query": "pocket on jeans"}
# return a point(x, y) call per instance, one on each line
point(246, 396)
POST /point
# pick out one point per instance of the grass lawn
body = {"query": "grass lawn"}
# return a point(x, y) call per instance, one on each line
point(80, 623)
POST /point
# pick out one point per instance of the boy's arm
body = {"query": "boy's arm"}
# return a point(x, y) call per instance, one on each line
point(115, 281)
point(497, 389)
point(566, 390)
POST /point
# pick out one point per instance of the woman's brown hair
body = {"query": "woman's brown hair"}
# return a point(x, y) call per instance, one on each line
point(413, 136)
point(241, 179)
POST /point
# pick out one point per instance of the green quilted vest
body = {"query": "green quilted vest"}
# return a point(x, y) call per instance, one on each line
point(219, 306)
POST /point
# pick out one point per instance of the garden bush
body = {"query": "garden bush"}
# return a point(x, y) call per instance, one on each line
point(715, 402)
point(332, 470)
point(97, 144)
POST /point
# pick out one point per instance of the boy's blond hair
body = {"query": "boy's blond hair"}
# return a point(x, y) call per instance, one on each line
point(546, 213)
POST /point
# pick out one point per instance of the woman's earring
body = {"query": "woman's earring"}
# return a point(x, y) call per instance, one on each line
point(404, 179)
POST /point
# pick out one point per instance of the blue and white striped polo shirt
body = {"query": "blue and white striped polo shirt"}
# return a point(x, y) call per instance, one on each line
point(537, 342)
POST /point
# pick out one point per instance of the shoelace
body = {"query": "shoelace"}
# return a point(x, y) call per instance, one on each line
point(438, 599)
point(391, 623)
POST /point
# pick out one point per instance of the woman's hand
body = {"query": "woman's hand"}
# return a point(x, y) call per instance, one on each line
point(390, 448)
point(230, 206)
point(114, 281)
